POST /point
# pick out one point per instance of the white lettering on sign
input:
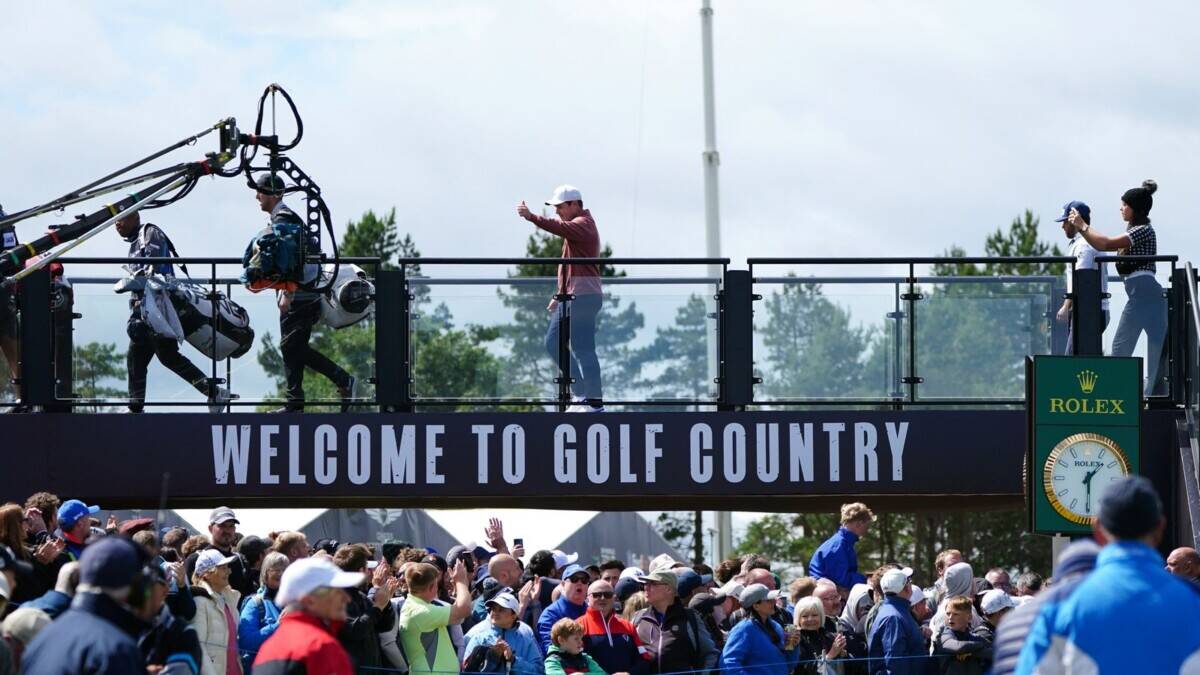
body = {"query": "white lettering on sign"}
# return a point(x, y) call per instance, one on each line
point(600, 453)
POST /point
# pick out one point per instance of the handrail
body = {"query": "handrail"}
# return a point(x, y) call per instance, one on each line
point(1191, 291)
point(925, 260)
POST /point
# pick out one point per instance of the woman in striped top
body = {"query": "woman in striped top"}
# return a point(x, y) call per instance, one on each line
point(1146, 309)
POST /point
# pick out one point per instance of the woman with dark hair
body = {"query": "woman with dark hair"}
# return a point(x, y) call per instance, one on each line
point(1146, 309)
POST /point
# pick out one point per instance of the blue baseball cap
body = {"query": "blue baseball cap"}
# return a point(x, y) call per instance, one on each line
point(1083, 209)
point(112, 562)
point(72, 510)
point(690, 580)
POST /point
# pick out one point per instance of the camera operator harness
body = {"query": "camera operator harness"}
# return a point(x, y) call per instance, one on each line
point(173, 183)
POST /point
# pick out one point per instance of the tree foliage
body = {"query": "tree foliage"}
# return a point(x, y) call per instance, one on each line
point(99, 373)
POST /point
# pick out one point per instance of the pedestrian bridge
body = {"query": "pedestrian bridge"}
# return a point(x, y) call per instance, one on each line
point(791, 384)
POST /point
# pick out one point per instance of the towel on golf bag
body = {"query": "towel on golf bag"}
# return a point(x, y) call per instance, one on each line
point(182, 310)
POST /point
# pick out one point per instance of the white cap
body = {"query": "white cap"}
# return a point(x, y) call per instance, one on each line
point(662, 561)
point(632, 572)
point(505, 600)
point(564, 193)
point(563, 559)
point(305, 576)
point(918, 595)
point(995, 600)
point(210, 559)
point(25, 623)
point(731, 589)
point(894, 581)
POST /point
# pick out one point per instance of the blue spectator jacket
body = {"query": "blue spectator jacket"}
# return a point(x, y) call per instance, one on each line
point(749, 650)
point(96, 635)
point(559, 609)
point(895, 640)
point(1129, 616)
point(837, 560)
point(520, 638)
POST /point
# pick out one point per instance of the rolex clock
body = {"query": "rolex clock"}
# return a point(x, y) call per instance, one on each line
point(1076, 472)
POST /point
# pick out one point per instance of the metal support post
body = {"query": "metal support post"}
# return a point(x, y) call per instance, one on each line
point(393, 367)
point(564, 379)
point(1087, 313)
point(37, 340)
point(1175, 347)
point(737, 340)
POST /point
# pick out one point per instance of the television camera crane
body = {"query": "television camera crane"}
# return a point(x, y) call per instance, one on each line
point(172, 184)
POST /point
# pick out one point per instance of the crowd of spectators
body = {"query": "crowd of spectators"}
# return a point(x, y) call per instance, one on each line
point(78, 597)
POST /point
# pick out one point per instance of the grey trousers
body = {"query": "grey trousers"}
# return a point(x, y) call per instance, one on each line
point(1146, 311)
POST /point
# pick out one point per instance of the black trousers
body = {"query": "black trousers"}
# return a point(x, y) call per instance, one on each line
point(295, 327)
point(137, 361)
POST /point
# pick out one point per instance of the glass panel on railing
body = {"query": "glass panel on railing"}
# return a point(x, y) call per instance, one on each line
point(481, 339)
point(646, 340)
point(829, 338)
point(1144, 317)
point(973, 334)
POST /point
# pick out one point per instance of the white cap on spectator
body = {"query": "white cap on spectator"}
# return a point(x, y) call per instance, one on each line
point(731, 589)
point(563, 559)
point(632, 572)
point(505, 600)
point(210, 559)
point(662, 561)
point(894, 581)
point(918, 595)
point(24, 624)
point(995, 600)
point(306, 576)
point(564, 193)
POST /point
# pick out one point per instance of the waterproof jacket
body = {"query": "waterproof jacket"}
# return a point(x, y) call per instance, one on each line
point(258, 621)
point(527, 657)
point(53, 603)
point(1129, 596)
point(614, 643)
point(97, 635)
point(211, 625)
point(837, 560)
point(750, 649)
point(559, 662)
point(302, 645)
point(360, 633)
point(559, 609)
point(677, 640)
point(896, 642)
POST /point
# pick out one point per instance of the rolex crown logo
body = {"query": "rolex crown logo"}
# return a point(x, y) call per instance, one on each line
point(1087, 380)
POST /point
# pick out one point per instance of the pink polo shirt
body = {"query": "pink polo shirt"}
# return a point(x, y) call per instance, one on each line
point(581, 239)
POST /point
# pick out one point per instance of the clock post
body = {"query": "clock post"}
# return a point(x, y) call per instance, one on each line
point(1084, 420)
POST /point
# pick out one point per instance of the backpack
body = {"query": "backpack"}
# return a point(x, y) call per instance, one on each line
point(275, 257)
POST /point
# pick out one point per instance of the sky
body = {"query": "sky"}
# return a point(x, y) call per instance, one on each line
point(882, 128)
point(879, 128)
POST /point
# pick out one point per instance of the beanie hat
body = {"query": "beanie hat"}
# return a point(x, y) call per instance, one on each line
point(1141, 199)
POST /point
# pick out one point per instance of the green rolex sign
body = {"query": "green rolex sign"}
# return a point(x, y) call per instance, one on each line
point(1084, 419)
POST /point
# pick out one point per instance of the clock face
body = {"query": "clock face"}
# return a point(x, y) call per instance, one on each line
point(1077, 472)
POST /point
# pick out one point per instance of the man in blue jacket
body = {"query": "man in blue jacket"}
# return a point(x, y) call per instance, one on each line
point(836, 559)
point(571, 603)
point(99, 633)
point(1128, 595)
point(896, 642)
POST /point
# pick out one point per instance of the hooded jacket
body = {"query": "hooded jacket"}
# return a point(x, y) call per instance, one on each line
point(958, 580)
point(1130, 597)
point(258, 621)
point(614, 643)
point(97, 635)
point(750, 649)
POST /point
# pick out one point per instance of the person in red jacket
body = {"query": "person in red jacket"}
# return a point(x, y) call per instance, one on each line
point(314, 608)
point(609, 639)
point(581, 281)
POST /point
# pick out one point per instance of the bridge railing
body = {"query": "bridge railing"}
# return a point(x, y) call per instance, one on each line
point(471, 334)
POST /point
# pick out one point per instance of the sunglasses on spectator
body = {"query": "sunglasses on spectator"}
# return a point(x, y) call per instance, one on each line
point(581, 578)
point(603, 594)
